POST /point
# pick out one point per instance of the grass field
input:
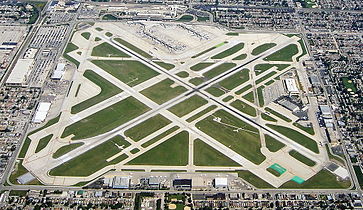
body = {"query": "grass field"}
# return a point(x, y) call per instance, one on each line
point(163, 92)
point(272, 171)
point(215, 91)
point(359, 174)
point(243, 107)
point(249, 97)
point(309, 130)
point(245, 142)
point(262, 48)
point(218, 70)
point(200, 66)
point(107, 50)
point(109, 17)
point(183, 74)
point(147, 127)
point(262, 67)
point(296, 136)
point(240, 57)
point(228, 98)
point(43, 142)
point(285, 54)
point(202, 19)
point(272, 144)
point(204, 52)
point(185, 18)
point(268, 117)
point(70, 47)
point(133, 48)
point(167, 66)
point(295, 154)
point(254, 180)
point(278, 114)
point(205, 155)
point(160, 136)
point(334, 156)
point(236, 79)
point(201, 113)
point(92, 160)
point(188, 105)
point(106, 119)
point(244, 89)
point(107, 90)
point(172, 152)
point(229, 51)
point(65, 149)
point(322, 180)
point(301, 42)
point(197, 81)
point(232, 34)
point(128, 71)
point(348, 84)
point(108, 34)
point(265, 77)
point(86, 35)
point(261, 100)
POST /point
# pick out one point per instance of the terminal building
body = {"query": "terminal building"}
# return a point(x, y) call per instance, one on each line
point(20, 73)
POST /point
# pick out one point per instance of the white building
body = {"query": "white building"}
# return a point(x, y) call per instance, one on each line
point(20, 73)
point(221, 182)
point(59, 71)
point(291, 86)
point(41, 112)
point(121, 182)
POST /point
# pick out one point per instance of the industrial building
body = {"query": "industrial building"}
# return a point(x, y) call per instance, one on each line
point(291, 86)
point(121, 182)
point(41, 112)
point(20, 73)
point(221, 182)
point(58, 72)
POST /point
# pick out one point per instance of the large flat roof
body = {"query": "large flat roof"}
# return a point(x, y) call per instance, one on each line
point(20, 72)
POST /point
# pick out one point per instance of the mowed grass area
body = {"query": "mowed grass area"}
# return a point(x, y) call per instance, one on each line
point(272, 144)
point(65, 149)
point(244, 89)
point(262, 67)
point(86, 35)
point(243, 107)
point(285, 54)
point(359, 174)
point(163, 92)
point(254, 180)
point(309, 130)
point(185, 18)
point(160, 136)
point(236, 79)
point(218, 70)
point(188, 105)
point(93, 160)
point(322, 180)
point(303, 48)
point(204, 52)
point(268, 117)
point(205, 155)
point(240, 57)
point(298, 156)
point(348, 84)
point(147, 127)
point(133, 48)
point(262, 48)
point(215, 91)
point(172, 152)
point(106, 119)
point(107, 50)
point(229, 51)
point(297, 137)
point(234, 134)
point(167, 66)
point(201, 113)
point(70, 47)
point(107, 90)
point(43, 142)
point(130, 72)
point(200, 66)
point(283, 117)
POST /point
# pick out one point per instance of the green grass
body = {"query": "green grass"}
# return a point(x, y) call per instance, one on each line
point(285, 54)
point(254, 180)
point(200, 66)
point(98, 39)
point(20, 193)
point(108, 34)
point(43, 142)
point(232, 34)
point(269, 82)
point(107, 90)
point(334, 157)
point(202, 19)
point(295, 154)
point(228, 98)
point(236, 79)
point(70, 47)
point(229, 51)
point(107, 50)
point(86, 35)
point(221, 44)
point(77, 91)
point(133, 48)
point(262, 48)
point(183, 74)
point(106, 119)
point(93, 160)
point(358, 173)
point(297, 137)
point(167, 66)
point(128, 71)
point(163, 92)
point(160, 136)
point(99, 29)
point(172, 152)
point(304, 52)
point(188, 105)
point(268, 117)
point(240, 57)
point(147, 127)
point(185, 18)
point(218, 70)
point(262, 67)
point(214, 91)
point(243, 107)
point(204, 52)
point(109, 17)
point(196, 81)
point(65, 149)
point(24, 148)
point(272, 144)
point(245, 142)
point(205, 155)
point(19, 170)
point(265, 77)
point(201, 113)
point(134, 151)
point(348, 84)
point(249, 97)
point(261, 100)
point(278, 115)
point(272, 171)
point(322, 180)
point(244, 89)
point(309, 130)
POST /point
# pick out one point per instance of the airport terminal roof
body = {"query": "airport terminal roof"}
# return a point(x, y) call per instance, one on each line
point(20, 72)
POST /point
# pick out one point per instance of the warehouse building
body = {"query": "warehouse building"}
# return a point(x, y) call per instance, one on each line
point(20, 73)
point(41, 112)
